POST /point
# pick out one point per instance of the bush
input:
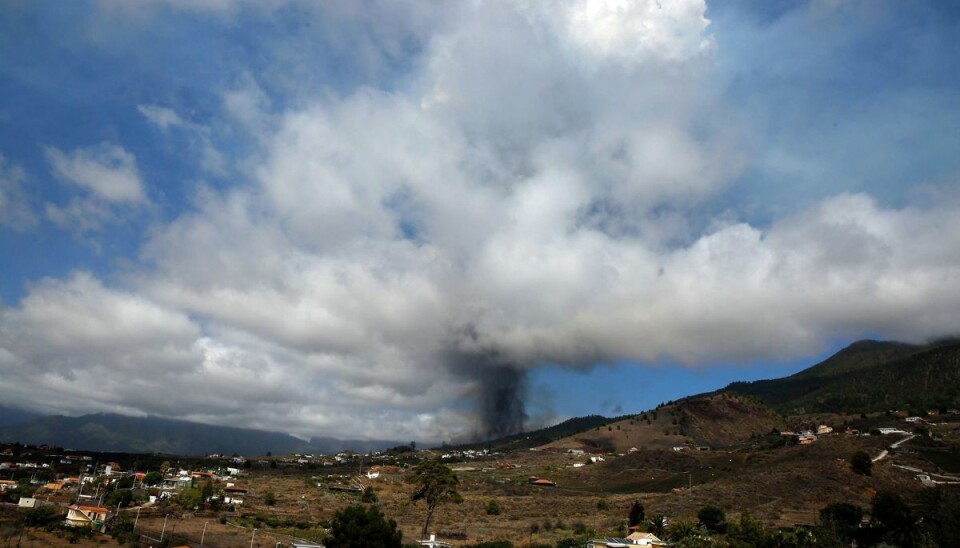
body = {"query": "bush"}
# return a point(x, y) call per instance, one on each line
point(841, 519)
point(41, 516)
point(269, 498)
point(153, 478)
point(74, 534)
point(712, 518)
point(636, 516)
point(189, 498)
point(861, 464)
point(363, 527)
point(493, 508)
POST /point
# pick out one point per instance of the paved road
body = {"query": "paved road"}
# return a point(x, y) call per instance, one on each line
point(883, 454)
point(908, 438)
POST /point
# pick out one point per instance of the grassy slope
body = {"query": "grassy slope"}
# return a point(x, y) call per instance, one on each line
point(865, 377)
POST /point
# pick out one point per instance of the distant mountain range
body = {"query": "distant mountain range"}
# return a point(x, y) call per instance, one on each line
point(119, 433)
point(10, 416)
point(866, 376)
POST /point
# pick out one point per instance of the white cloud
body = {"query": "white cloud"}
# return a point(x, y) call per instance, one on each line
point(16, 212)
point(106, 170)
point(199, 136)
point(533, 192)
point(634, 32)
point(162, 117)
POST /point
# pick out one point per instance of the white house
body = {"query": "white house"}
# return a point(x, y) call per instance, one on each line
point(432, 542)
point(86, 516)
point(634, 539)
point(27, 502)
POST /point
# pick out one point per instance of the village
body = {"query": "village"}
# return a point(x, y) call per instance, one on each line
point(542, 495)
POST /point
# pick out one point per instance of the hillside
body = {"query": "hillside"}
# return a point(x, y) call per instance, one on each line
point(867, 376)
point(716, 420)
point(118, 433)
point(543, 436)
point(10, 416)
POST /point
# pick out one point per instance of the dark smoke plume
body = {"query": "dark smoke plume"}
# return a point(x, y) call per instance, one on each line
point(501, 404)
point(502, 386)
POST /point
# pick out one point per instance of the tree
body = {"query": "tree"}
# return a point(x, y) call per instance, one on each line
point(748, 532)
point(681, 529)
point(121, 528)
point(945, 517)
point(861, 464)
point(436, 484)
point(493, 508)
point(892, 518)
point(842, 519)
point(40, 516)
point(636, 514)
point(712, 518)
point(122, 497)
point(269, 498)
point(361, 526)
point(153, 478)
point(207, 492)
point(658, 525)
point(188, 498)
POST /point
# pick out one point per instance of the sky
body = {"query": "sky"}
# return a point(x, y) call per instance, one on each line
point(441, 221)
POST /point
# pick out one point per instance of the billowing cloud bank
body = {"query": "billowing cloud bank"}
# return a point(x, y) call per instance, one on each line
point(533, 192)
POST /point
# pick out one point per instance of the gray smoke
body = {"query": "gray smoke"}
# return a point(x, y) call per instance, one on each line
point(501, 401)
point(501, 385)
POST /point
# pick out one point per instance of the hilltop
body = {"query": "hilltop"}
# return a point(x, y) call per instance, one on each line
point(867, 376)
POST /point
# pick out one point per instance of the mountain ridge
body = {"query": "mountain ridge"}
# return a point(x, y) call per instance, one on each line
point(865, 376)
point(121, 433)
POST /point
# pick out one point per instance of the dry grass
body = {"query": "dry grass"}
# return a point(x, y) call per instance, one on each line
point(782, 487)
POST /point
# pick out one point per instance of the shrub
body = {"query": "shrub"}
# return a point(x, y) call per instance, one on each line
point(636, 516)
point(361, 527)
point(841, 519)
point(41, 516)
point(712, 518)
point(493, 509)
point(861, 464)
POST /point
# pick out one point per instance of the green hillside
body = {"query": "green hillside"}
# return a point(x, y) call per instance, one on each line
point(867, 376)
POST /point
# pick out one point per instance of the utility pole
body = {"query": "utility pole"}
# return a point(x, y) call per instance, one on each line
point(164, 526)
point(252, 536)
point(204, 533)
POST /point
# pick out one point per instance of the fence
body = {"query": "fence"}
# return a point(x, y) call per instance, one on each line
point(240, 537)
